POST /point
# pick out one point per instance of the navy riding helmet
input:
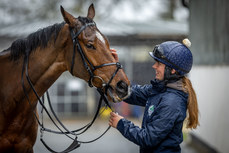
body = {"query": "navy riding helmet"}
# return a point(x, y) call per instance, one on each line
point(174, 55)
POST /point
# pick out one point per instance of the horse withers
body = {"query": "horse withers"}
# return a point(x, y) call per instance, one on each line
point(48, 53)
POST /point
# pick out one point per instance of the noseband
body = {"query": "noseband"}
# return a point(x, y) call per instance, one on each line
point(86, 62)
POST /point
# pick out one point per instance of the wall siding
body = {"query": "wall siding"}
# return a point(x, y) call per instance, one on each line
point(209, 33)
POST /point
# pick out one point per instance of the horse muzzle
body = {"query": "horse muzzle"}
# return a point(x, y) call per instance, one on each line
point(119, 93)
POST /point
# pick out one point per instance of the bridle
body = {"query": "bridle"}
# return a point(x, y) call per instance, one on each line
point(90, 69)
point(86, 62)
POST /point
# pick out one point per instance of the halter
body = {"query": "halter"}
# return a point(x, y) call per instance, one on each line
point(90, 68)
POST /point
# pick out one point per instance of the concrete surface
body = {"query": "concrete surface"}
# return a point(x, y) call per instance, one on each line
point(111, 142)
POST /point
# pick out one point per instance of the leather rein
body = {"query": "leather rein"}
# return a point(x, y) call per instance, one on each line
point(59, 125)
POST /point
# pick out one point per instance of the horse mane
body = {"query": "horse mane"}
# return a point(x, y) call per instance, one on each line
point(40, 38)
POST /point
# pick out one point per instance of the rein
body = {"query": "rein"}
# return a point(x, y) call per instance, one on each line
point(90, 68)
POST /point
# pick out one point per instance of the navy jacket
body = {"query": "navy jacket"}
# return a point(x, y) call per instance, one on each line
point(165, 111)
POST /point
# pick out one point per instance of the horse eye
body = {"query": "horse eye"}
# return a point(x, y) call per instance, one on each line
point(90, 46)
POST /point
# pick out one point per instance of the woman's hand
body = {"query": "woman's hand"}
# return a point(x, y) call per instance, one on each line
point(114, 119)
point(115, 55)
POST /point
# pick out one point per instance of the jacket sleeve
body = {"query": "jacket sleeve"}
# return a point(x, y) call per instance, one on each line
point(154, 132)
point(139, 95)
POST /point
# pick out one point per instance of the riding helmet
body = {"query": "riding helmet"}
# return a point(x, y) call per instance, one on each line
point(175, 55)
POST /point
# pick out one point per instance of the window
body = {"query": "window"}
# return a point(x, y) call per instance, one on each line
point(68, 96)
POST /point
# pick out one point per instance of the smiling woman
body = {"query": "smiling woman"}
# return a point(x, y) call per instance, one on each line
point(168, 101)
point(160, 70)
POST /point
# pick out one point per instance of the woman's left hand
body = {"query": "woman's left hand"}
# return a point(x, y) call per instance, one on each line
point(114, 119)
point(115, 55)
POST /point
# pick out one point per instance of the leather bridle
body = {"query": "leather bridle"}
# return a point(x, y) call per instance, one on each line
point(86, 62)
point(90, 69)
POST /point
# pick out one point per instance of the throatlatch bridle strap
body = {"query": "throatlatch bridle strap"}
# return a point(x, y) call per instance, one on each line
point(90, 68)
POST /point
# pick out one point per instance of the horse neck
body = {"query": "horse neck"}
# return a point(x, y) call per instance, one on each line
point(44, 67)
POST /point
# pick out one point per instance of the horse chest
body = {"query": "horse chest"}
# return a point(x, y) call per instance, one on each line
point(18, 132)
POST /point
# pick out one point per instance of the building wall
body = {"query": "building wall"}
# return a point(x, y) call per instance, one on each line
point(209, 34)
point(212, 88)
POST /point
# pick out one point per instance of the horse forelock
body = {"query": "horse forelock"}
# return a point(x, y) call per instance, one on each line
point(40, 38)
point(84, 20)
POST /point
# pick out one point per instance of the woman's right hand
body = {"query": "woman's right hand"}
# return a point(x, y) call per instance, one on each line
point(114, 119)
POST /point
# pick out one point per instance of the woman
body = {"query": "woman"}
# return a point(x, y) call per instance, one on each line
point(166, 101)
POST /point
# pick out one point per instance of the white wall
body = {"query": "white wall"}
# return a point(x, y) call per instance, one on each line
point(211, 84)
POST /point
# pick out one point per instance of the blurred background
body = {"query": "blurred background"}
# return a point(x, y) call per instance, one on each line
point(133, 28)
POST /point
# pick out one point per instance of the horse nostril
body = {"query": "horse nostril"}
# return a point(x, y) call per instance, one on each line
point(122, 89)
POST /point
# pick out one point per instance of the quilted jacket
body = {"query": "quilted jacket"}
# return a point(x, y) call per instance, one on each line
point(165, 111)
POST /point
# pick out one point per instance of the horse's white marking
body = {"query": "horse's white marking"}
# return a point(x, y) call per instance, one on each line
point(100, 37)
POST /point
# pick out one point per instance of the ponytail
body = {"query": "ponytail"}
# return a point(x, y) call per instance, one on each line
point(192, 106)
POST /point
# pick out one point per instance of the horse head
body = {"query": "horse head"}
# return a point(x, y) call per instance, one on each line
point(88, 56)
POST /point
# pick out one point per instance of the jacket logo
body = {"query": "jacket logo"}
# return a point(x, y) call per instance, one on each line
point(151, 110)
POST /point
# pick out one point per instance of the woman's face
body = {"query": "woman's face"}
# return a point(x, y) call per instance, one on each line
point(160, 70)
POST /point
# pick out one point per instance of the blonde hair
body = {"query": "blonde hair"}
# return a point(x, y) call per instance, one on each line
point(192, 105)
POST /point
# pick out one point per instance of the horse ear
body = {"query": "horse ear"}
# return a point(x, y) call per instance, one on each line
point(91, 12)
point(68, 18)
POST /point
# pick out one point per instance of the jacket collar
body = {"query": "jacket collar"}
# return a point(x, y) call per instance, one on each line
point(158, 85)
point(162, 85)
point(178, 85)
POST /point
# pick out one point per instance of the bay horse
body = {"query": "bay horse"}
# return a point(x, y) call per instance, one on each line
point(50, 52)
